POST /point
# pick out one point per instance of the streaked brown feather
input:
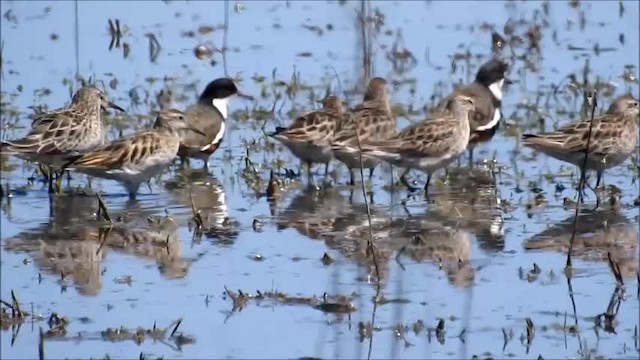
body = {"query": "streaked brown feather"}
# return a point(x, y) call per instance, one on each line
point(130, 150)
point(573, 137)
point(427, 138)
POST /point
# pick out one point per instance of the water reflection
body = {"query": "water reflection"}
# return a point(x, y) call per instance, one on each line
point(557, 55)
point(197, 190)
point(471, 201)
point(73, 244)
point(328, 215)
point(597, 233)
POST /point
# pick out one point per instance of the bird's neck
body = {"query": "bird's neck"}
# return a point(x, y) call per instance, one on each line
point(92, 111)
point(379, 103)
point(220, 104)
point(496, 89)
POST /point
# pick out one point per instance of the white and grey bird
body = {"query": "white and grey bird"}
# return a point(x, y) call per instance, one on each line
point(208, 116)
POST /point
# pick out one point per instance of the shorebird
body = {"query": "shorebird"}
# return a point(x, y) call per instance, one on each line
point(486, 92)
point(369, 121)
point(309, 136)
point(208, 116)
point(427, 146)
point(58, 134)
point(136, 159)
point(613, 138)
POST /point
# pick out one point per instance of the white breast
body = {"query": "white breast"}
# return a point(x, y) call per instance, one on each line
point(497, 115)
point(221, 105)
point(220, 134)
point(496, 89)
point(216, 140)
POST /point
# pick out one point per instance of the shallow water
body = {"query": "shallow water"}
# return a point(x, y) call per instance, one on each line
point(480, 236)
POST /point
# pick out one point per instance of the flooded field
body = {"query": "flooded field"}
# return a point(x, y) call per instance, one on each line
point(280, 267)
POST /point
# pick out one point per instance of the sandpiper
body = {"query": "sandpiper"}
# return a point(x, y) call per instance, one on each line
point(427, 146)
point(63, 132)
point(208, 116)
point(613, 139)
point(309, 136)
point(486, 92)
point(621, 104)
point(136, 159)
point(369, 121)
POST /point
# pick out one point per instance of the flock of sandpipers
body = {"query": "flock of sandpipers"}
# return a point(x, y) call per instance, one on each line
point(72, 138)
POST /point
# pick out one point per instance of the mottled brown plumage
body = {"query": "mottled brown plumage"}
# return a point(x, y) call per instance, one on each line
point(614, 137)
point(426, 146)
point(309, 137)
point(66, 131)
point(371, 120)
point(136, 159)
point(486, 91)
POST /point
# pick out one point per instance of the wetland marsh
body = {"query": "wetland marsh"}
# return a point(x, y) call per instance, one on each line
point(251, 261)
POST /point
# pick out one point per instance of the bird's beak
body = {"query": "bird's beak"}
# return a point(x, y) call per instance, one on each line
point(244, 96)
point(194, 130)
point(508, 81)
point(114, 106)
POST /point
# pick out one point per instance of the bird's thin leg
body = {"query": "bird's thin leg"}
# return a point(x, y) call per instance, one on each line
point(59, 177)
point(371, 172)
point(51, 181)
point(326, 182)
point(46, 172)
point(426, 187)
point(470, 157)
point(352, 182)
point(600, 177)
point(35, 173)
point(185, 162)
point(582, 186)
point(309, 174)
point(595, 190)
